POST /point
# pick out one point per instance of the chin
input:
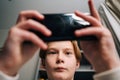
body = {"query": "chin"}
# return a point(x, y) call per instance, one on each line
point(61, 76)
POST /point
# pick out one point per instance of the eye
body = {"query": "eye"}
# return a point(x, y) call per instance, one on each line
point(68, 53)
point(51, 52)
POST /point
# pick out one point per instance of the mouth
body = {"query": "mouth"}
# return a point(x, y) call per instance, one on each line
point(60, 69)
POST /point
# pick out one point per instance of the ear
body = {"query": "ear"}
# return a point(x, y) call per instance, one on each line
point(77, 64)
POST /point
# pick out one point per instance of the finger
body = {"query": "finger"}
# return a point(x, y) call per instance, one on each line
point(93, 11)
point(95, 31)
point(28, 14)
point(29, 36)
point(34, 25)
point(93, 21)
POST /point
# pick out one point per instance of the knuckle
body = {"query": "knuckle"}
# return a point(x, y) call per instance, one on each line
point(106, 32)
point(12, 31)
point(21, 13)
point(29, 22)
point(35, 12)
point(30, 36)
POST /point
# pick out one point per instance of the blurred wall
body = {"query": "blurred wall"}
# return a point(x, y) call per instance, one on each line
point(9, 9)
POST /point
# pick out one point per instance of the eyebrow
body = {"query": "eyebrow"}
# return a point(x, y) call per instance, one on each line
point(69, 49)
point(51, 49)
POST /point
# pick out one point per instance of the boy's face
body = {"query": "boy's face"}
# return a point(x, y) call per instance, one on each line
point(60, 62)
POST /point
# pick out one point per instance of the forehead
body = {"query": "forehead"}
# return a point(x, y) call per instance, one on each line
point(60, 44)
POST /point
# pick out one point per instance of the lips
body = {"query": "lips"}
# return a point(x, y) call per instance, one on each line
point(60, 69)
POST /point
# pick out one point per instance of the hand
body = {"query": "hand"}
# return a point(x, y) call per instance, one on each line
point(100, 53)
point(15, 53)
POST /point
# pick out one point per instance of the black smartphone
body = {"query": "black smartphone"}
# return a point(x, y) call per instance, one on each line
point(62, 27)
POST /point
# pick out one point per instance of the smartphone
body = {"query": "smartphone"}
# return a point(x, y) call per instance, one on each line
point(62, 27)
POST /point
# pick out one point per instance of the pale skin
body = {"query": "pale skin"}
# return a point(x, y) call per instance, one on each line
point(60, 61)
point(14, 53)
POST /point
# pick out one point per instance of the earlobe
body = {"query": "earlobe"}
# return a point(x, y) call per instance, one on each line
point(77, 65)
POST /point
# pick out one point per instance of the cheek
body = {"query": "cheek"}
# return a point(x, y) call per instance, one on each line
point(49, 62)
point(72, 63)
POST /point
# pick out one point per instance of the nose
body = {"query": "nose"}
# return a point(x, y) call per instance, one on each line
point(60, 58)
